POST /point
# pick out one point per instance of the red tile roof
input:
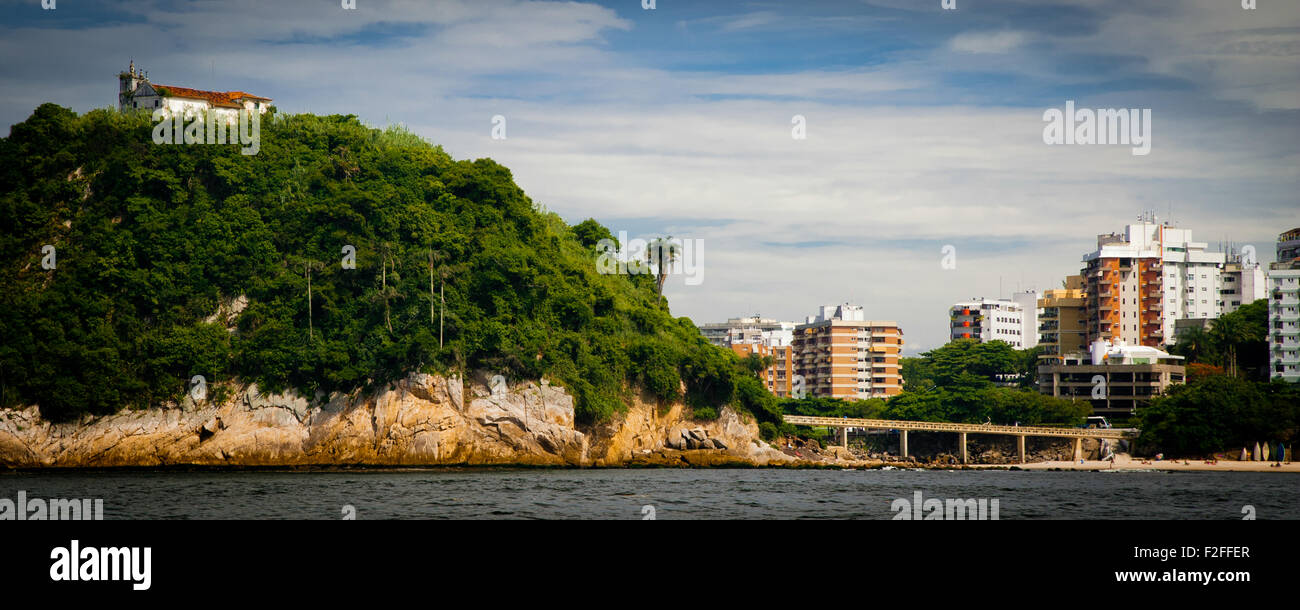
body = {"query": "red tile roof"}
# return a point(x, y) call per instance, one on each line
point(239, 95)
point(218, 99)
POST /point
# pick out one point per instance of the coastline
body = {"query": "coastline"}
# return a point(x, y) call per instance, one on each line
point(701, 460)
point(1130, 464)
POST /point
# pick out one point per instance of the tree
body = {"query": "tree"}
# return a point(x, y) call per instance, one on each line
point(1194, 344)
point(756, 364)
point(1229, 332)
point(1219, 413)
point(661, 254)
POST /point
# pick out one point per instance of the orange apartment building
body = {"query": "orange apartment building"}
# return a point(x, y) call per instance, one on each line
point(779, 377)
point(1123, 301)
point(1141, 283)
point(840, 354)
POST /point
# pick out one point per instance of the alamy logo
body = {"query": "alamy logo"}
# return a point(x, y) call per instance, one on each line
point(102, 563)
point(54, 509)
point(934, 509)
point(1129, 126)
point(208, 127)
point(670, 256)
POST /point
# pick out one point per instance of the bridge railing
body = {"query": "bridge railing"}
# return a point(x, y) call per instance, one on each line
point(896, 424)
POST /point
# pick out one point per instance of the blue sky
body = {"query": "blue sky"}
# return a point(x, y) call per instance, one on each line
point(924, 125)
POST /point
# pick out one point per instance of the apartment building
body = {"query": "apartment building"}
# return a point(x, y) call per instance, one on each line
point(1242, 283)
point(1115, 377)
point(1284, 309)
point(743, 330)
point(762, 336)
point(1028, 301)
point(1061, 321)
point(989, 320)
point(841, 354)
point(1141, 282)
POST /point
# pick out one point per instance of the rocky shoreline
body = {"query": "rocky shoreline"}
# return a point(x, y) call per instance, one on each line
point(431, 421)
point(422, 420)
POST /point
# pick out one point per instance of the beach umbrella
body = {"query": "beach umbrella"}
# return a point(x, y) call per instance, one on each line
point(1265, 452)
point(1255, 455)
point(1243, 455)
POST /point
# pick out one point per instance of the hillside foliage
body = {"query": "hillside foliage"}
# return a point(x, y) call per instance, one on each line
point(152, 242)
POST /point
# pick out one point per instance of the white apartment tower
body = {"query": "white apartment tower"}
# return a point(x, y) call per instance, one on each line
point(992, 320)
point(1028, 301)
point(1284, 309)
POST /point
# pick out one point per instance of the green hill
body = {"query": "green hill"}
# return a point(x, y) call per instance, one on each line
point(152, 240)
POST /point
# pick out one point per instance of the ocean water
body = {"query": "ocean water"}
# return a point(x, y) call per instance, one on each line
point(505, 493)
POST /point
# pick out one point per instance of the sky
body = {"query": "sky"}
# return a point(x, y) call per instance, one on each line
point(923, 127)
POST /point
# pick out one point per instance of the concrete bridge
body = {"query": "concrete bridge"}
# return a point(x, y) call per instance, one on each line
point(1020, 432)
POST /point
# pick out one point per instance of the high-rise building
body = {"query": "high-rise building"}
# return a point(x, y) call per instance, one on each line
point(1140, 283)
point(1028, 301)
point(1062, 322)
point(761, 336)
point(841, 354)
point(1284, 309)
point(1243, 284)
point(989, 320)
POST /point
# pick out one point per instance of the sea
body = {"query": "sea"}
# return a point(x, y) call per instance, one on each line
point(758, 493)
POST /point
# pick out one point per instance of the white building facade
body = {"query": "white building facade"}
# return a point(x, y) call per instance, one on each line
point(1028, 301)
point(991, 320)
point(1284, 309)
point(135, 92)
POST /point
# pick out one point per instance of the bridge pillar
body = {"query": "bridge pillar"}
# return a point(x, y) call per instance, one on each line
point(902, 441)
point(1078, 449)
point(963, 447)
point(844, 432)
point(1020, 447)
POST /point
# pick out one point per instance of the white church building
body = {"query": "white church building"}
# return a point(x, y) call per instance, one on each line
point(135, 92)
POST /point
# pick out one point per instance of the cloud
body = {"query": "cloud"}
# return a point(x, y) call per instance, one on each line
point(987, 42)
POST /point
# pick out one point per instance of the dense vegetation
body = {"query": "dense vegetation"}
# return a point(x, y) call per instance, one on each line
point(152, 240)
point(1236, 343)
point(1228, 402)
point(1217, 413)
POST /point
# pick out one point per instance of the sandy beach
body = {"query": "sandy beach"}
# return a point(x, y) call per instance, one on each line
point(1124, 462)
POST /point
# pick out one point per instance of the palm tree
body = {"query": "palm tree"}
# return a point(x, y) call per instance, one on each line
point(1229, 332)
point(438, 266)
point(308, 265)
point(756, 364)
point(661, 254)
point(1194, 344)
point(385, 292)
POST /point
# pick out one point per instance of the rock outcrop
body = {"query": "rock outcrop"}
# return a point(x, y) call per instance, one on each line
point(420, 420)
